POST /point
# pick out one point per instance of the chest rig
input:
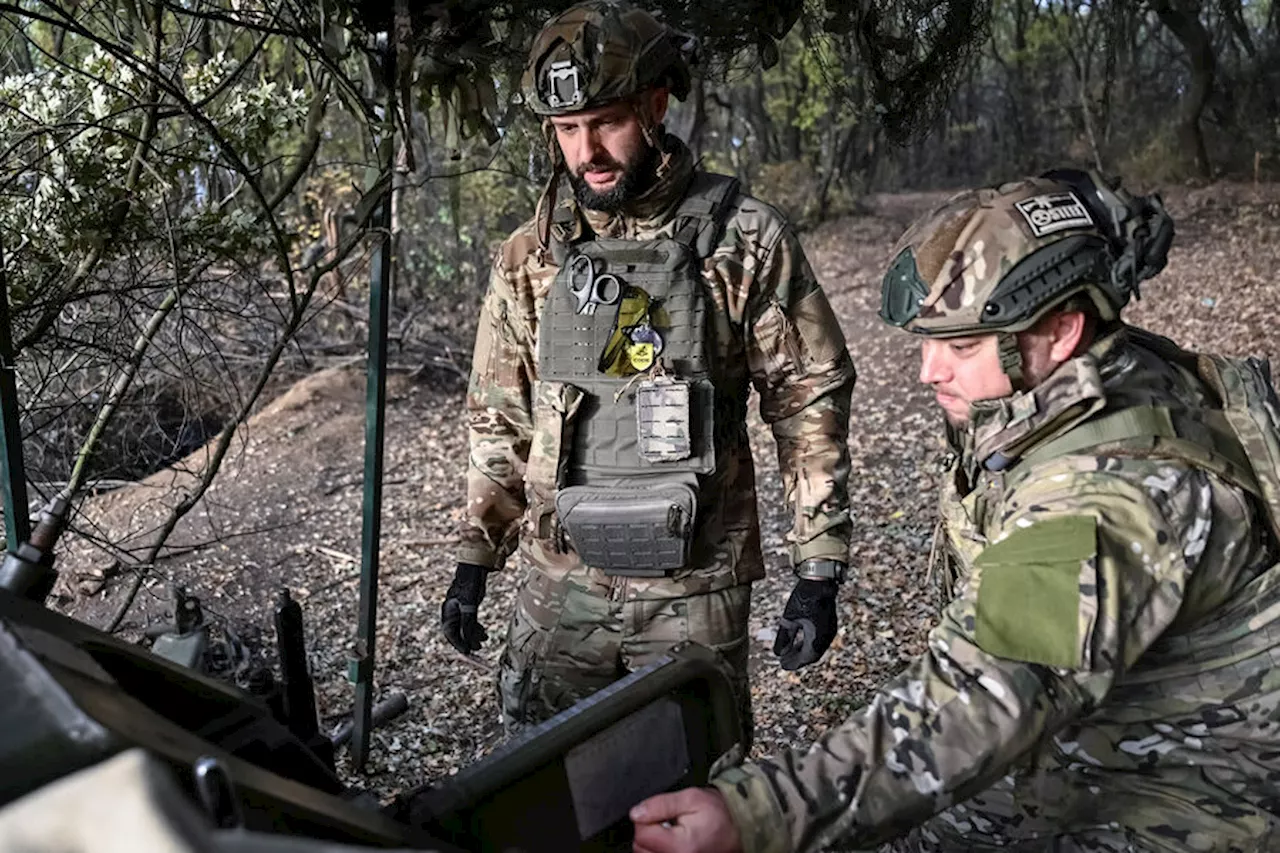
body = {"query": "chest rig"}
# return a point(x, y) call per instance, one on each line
point(626, 325)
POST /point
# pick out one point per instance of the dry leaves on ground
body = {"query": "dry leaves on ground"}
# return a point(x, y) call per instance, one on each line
point(287, 511)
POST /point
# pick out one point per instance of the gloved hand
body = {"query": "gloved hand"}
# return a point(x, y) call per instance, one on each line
point(808, 623)
point(458, 617)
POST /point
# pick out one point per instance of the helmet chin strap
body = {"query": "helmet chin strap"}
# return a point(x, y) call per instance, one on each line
point(651, 131)
point(546, 205)
point(553, 146)
point(1011, 359)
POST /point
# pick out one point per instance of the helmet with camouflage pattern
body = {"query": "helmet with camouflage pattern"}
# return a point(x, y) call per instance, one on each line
point(998, 259)
point(600, 51)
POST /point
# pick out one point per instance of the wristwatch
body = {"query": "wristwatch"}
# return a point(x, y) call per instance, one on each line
point(821, 570)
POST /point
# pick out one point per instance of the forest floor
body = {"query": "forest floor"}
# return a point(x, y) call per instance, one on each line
point(286, 511)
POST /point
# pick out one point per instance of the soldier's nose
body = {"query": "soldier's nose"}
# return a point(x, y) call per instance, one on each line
point(932, 363)
point(588, 147)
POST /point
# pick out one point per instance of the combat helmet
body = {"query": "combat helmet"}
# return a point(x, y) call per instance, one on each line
point(997, 259)
point(601, 51)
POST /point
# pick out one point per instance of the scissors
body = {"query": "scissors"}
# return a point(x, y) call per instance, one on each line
point(589, 288)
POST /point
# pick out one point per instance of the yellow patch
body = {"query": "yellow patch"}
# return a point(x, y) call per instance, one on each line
point(640, 356)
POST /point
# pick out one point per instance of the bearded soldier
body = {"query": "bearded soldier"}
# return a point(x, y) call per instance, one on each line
point(619, 338)
point(1104, 677)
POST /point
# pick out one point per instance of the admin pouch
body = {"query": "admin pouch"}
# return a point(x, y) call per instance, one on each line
point(642, 532)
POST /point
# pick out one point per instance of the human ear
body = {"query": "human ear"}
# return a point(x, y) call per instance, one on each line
point(659, 100)
point(1066, 331)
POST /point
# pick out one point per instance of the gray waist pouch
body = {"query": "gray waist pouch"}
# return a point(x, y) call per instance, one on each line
point(641, 532)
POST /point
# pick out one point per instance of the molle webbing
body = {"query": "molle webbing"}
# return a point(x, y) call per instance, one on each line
point(570, 344)
point(698, 220)
point(701, 216)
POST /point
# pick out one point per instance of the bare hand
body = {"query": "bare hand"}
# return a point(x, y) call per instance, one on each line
point(694, 820)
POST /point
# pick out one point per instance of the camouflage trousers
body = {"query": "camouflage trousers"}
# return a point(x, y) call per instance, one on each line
point(570, 637)
point(1101, 841)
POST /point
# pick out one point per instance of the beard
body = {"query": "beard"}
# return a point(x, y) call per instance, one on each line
point(634, 179)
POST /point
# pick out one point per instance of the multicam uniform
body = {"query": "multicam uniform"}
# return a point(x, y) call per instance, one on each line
point(1104, 678)
point(576, 629)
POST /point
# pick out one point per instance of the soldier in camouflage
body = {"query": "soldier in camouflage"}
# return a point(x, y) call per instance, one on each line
point(619, 338)
point(1104, 677)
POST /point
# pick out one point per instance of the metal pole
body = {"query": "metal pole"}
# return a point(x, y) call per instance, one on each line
point(17, 520)
point(361, 666)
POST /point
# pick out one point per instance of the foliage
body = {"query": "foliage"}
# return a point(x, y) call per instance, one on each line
point(1107, 83)
point(80, 126)
point(187, 191)
point(157, 161)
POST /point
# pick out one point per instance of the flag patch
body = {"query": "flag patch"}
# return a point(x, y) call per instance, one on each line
point(1046, 214)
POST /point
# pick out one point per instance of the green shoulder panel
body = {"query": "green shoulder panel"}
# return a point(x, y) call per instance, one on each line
point(1030, 590)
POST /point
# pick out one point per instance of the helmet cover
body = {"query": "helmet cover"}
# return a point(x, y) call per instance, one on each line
point(999, 258)
point(601, 51)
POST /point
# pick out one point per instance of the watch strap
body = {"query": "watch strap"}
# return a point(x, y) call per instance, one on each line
point(817, 569)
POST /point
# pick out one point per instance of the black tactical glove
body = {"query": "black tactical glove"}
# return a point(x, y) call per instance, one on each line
point(808, 623)
point(461, 603)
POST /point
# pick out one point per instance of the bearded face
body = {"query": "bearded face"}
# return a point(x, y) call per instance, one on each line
point(634, 177)
point(608, 159)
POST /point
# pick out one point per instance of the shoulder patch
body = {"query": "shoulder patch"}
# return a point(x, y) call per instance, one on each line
point(1030, 592)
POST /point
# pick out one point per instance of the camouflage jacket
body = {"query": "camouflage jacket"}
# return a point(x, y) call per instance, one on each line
point(1104, 678)
point(771, 327)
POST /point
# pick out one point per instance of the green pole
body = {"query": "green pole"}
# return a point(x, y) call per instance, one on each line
point(362, 665)
point(17, 521)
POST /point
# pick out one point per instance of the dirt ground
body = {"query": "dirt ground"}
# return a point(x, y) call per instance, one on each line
point(287, 509)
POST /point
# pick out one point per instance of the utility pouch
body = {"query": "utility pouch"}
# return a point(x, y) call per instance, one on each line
point(639, 532)
point(663, 430)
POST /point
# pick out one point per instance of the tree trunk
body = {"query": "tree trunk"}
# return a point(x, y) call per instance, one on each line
point(792, 138)
point(1016, 87)
point(693, 118)
point(1183, 20)
point(758, 118)
point(1234, 14)
point(838, 153)
point(21, 51)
